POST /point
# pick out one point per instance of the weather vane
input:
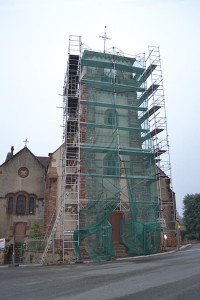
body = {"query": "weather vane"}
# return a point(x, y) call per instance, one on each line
point(26, 142)
point(104, 37)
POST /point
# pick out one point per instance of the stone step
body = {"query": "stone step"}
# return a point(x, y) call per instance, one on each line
point(120, 250)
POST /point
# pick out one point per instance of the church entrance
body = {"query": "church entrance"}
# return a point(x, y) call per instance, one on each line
point(19, 232)
point(14, 252)
point(19, 236)
point(115, 220)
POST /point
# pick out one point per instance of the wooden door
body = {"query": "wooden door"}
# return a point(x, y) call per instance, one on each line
point(20, 231)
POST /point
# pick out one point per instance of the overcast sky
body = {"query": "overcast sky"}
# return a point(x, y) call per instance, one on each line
point(33, 58)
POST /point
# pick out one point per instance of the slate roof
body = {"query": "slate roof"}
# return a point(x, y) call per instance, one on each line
point(44, 160)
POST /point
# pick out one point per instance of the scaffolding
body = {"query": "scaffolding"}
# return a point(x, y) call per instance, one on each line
point(114, 138)
point(71, 153)
point(159, 134)
point(66, 221)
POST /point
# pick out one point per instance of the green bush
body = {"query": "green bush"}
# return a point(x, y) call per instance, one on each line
point(35, 231)
point(35, 239)
point(191, 236)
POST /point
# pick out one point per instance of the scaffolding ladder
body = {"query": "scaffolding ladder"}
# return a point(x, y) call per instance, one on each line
point(50, 238)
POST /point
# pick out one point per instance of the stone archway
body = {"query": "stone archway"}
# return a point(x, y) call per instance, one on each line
point(20, 232)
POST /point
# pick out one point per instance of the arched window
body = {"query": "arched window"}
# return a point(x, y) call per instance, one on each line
point(111, 164)
point(111, 117)
point(10, 205)
point(21, 204)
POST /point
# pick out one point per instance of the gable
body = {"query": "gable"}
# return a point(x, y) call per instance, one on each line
point(42, 160)
point(22, 172)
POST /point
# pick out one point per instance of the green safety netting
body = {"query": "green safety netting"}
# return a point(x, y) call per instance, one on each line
point(98, 240)
point(117, 162)
point(140, 238)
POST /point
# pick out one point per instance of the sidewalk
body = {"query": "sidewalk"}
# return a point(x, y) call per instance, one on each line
point(167, 251)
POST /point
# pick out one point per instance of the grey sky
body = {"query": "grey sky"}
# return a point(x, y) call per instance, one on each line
point(33, 59)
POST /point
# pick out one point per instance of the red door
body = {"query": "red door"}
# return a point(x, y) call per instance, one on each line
point(115, 220)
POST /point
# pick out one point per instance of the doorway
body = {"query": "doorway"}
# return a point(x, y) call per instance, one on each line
point(115, 221)
point(19, 232)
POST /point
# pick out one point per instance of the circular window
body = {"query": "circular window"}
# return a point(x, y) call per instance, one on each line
point(23, 172)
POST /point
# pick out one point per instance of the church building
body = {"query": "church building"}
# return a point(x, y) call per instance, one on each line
point(22, 189)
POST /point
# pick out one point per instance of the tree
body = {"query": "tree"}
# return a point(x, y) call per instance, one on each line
point(191, 213)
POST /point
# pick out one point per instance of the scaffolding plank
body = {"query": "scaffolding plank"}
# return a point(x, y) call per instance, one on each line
point(122, 151)
point(151, 134)
point(148, 93)
point(146, 74)
point(104, 104)
point(150, 112)
point(111, 87)
point(96, 125)
point(156, 131)
point(136, 177)
point(159, 152)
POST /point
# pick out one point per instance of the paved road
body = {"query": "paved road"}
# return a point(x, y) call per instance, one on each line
point(170, 276)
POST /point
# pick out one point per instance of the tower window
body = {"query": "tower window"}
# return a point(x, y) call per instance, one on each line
point(111, 117)
point(111, 164)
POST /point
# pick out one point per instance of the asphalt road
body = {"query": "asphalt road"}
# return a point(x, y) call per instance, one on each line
point(170, 276)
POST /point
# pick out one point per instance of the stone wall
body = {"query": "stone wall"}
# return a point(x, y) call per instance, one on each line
point(2, 256)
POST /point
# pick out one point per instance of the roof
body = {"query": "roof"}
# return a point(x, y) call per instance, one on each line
point(43, 160)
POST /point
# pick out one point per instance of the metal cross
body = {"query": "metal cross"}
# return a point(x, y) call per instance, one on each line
point(104, 37)
point(26, 142)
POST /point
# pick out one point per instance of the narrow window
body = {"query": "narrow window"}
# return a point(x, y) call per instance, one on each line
point(10, 205)
point(21, 204)
point(111, 117)
point(111, 165)
point(31, 205)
